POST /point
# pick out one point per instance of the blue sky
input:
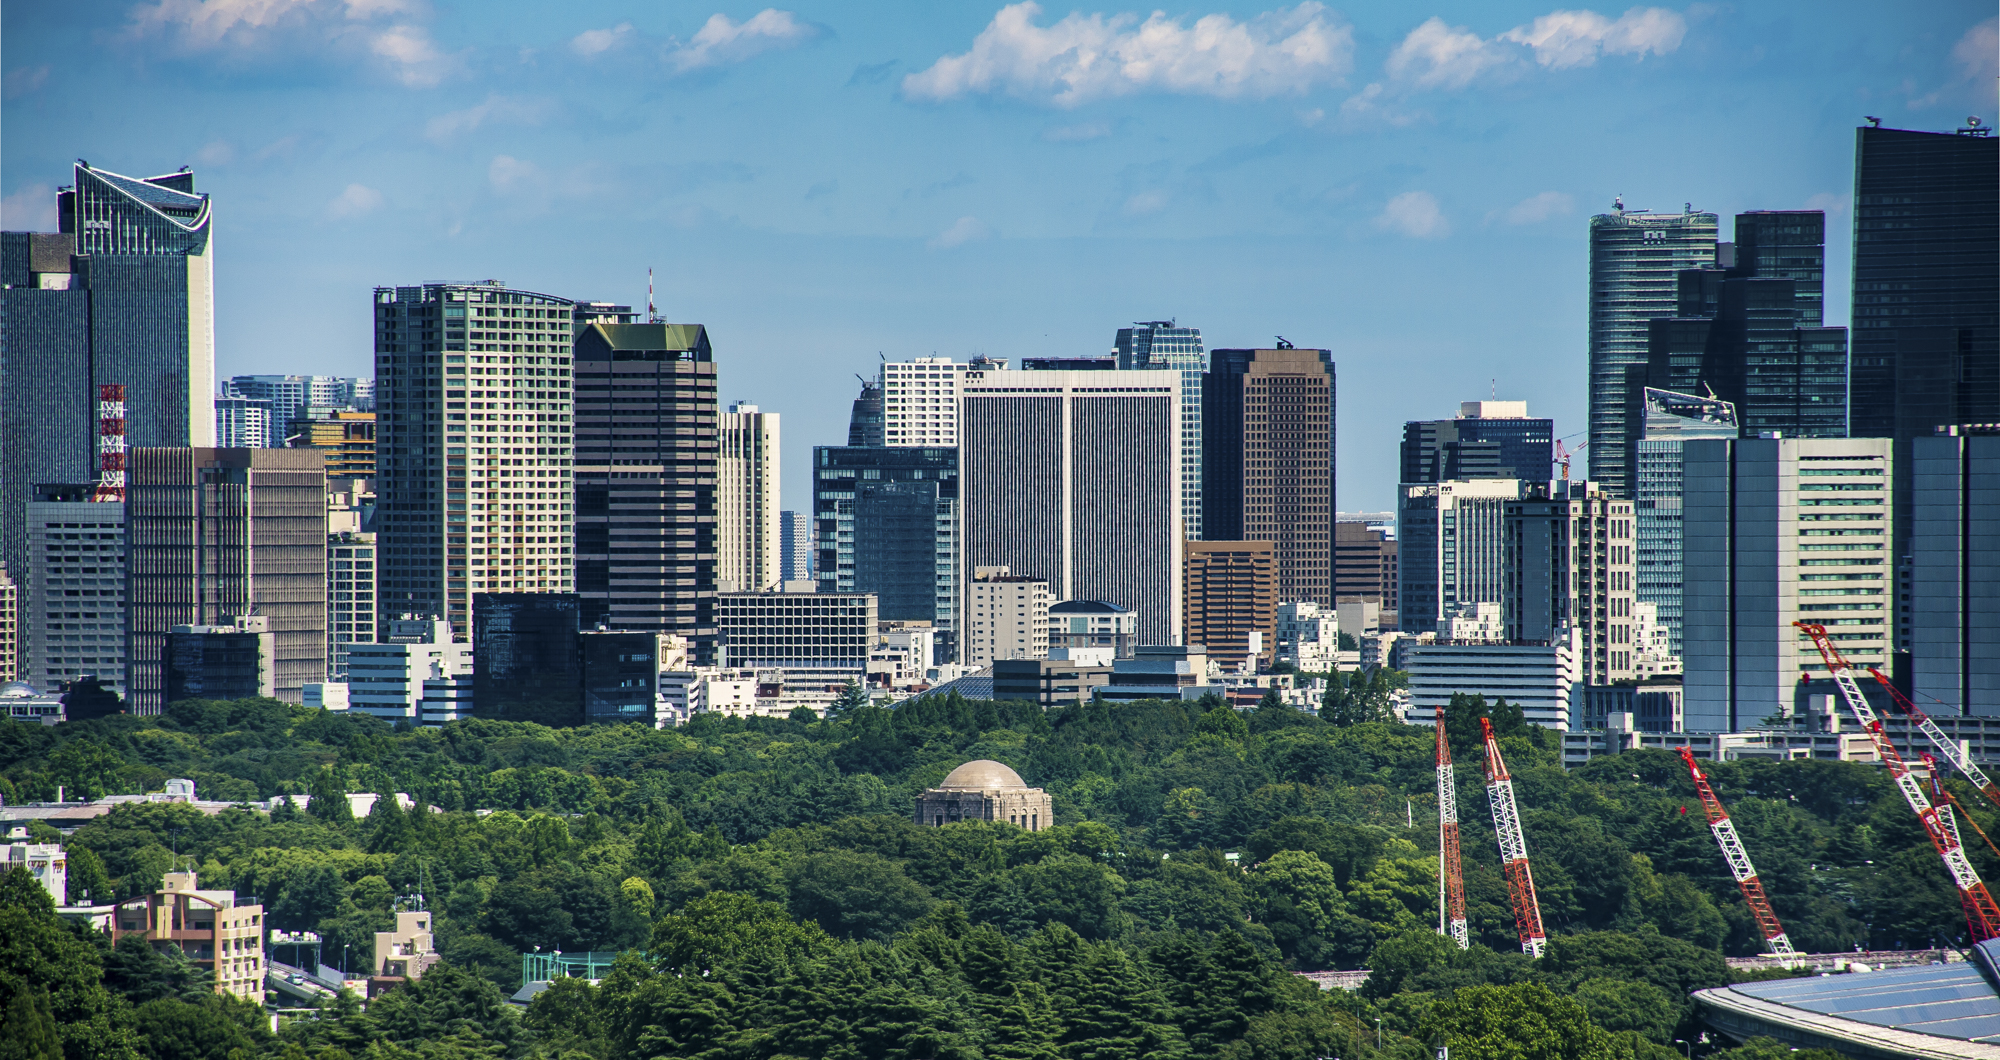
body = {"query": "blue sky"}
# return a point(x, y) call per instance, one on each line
point(1405, 184)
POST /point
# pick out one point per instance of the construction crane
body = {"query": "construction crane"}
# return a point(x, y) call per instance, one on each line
point(1451, 881)
point(1982, 916)
point(1513, 847)
point(1951, 749)
point(1739, 862)
point(1941, 795)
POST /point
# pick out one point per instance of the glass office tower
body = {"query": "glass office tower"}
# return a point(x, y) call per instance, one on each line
point(887, 523)
point(1635, 257)
point(1671, 420)
point(1488, 439)
point(1164, 344)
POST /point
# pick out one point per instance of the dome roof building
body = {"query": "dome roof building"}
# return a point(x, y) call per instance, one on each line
point(985, 791)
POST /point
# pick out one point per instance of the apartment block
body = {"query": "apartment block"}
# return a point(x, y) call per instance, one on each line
point(746, 500)
point(216, 933)
point(1231, 598)
point(1570, 567)
point(1006, 617)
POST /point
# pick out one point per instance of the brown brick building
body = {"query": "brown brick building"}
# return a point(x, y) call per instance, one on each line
point(1231, 596)
point(215, 933)
point(1267, 461)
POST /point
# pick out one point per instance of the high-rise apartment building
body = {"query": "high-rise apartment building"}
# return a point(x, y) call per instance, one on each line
point(1006, 616)
point(1488, 439)
point(10, 627)
point(1954, 558)
point(242, 423)
point(795, 546)
point(1778, 531)
point(1231, 599)
point(1268, 457)
point(350, 597)
point(1926, 308)
point(1074, 477)
point(1570, 555)
point(1635, 257)
point(292, 397)
point(1163, 344)
point(122, 295)
point(1450, 548)
point(73, 598)
point(919, 402)
point(887, 523)
point(217, 534)
point(746, 500)
point(1671, 421)
point(473, 424)
point(646, 480)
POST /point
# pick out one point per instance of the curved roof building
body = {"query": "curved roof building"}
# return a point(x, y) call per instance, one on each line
point(985, 790)
point(1930, 1011)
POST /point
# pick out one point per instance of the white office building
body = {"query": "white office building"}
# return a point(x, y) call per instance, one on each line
point(1451, 548)
point(389, 680)
point(1541, 679)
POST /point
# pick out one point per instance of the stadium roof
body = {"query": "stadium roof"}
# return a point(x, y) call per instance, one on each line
point(1934, 1011)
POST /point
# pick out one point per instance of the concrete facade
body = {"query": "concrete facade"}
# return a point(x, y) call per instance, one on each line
point(986, 791)
point(1570, 565)
point(1541, 679)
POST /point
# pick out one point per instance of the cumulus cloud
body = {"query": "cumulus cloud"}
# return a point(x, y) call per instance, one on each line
point(389, 31)
point(30, 209)
point(723, 40)
point(1414, 214)
point(356, 200)
point(216, 153)
point(1152, 200)
point(964, 230)
point(1088, 57)
point(1439, 56)
point(495, 109)
point(593, 42)
point(1978, 52)
point(1538, 208)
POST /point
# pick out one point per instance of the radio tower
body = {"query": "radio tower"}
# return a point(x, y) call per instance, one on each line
point(1513, 847)
point(1739, 861)
point(110, 444)
point(1451, 883)
point(1982, 916)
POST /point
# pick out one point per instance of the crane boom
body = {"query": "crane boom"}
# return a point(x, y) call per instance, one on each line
point(1982, 916)
point(1451, 881)
point(1513, 847)
point(1949, 748)
point(1738, 860)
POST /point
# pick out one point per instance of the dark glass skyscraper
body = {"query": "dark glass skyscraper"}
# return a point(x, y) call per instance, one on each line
point(864, 423)
point(1488, 439)
point(646, 452)
point(887, 522)
point(1926, 288)
point(120, 294)
point(1268, 450)
point(527, 657)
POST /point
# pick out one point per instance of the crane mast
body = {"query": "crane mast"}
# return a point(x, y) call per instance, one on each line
point(1451, 882)
point(1738, 860)
point(1982, 916)
point(1513, 847)
point(1949, 748)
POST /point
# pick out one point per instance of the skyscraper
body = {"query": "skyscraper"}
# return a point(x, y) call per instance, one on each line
point(219, 534)
point(864, 422)
point(1671, 421)
point(1231, 600)
point(1569, 577)
point(1487, 439)
point(1634, 259)
point(1955, 571)
point(120, 294)
point(73, 602)
point(1450, 548)
point(887, 523)
point(1768, 352)
point(496, 360)
point(1074, 478)
point(919, 402)
point(1926, 288)
point(1268, 460)
point(242, 423)
point(795, 546)
point(746, 500)
point(646, 480)
point(1778, 531)
point(1155, 344)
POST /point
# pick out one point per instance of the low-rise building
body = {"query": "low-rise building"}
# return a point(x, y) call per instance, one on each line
point(387, 680)
point(817, 638)
point(20, 702)
point(1054, 682)
point(1654, 705)
point(221, 662)
point(1161, 672)
point(623, 673)
point(210, 928)
point(1541, 679)
point(1478, 623)
point(986, 791)
point(46, 862)
point(405, 953)
point(1308, 637)
point(1093, 624)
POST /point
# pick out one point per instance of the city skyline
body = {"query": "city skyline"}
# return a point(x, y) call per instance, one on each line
point(969, 210)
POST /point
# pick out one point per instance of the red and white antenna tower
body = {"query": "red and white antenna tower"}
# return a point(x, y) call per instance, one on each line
point(652, 317)
point(1982, 916)
point(110, 443)
point(1451, 882)
point(1739, 861)
point(1513, 847)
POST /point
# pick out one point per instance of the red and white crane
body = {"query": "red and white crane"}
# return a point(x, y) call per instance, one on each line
point(1982, 916)
point(1451, 881)
point(1739, 861)
point(1513, 847)
point(1952, 750)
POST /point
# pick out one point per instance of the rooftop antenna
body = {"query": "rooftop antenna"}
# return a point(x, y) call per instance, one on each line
point(651, 316)
point(1873, 121)
point(1618, 203)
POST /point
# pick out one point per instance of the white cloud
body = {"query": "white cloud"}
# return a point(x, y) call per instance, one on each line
point(30, 209)
point(1978, 52)
point(248, 29)
point(593, 42)
point(1538, 208)
point(1437, 55)
point(356, 200)
point(962, 231)
point(23, 80)
point(1151, 201)
point(509, 174)
point(721, 40)
point(494, 110)
point(1083, 58)
point(1414, 214)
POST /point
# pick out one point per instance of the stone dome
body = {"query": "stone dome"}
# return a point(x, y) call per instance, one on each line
point(983, 775)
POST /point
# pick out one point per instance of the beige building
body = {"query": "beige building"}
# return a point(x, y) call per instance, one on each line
point(216, 933)
point(746, 501)
point(408, 951)
point(1006, 617)
point(986, 791)
point(1230, 593)
point(1571, 565)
